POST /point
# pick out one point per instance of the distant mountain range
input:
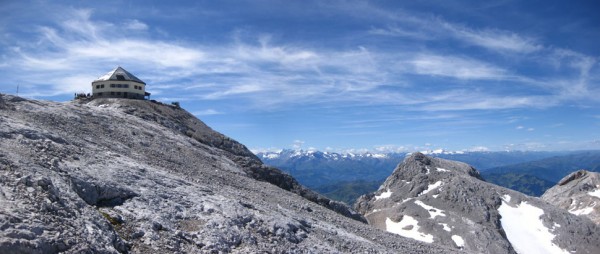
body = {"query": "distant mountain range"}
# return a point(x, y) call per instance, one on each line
point(346, 176)
point(536, 176)
point(315, 168)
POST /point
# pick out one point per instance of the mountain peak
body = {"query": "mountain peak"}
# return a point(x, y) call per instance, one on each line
point(418, 163)
point(446, 202)
point(579, 193)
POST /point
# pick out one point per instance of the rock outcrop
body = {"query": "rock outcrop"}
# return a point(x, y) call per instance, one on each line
point(446, 202)
point(118, 176)
point(579, 193)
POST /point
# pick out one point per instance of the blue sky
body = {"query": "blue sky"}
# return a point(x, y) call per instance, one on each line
point(331, 75)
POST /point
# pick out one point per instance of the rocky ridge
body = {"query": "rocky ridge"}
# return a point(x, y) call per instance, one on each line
point(118, 176)
point(579, 193)
point(446, 202)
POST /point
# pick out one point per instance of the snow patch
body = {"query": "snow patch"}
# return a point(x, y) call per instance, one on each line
point(460, 242)
point(506, 198)
point(407, 227)
point(435, 196)
point(595, 193)
point(433, 212)
point(272, 156)
point(385, 194)
point(431, 187)
point(525, 230)
point(442, 170)
point(583, 211)
point(404, 201)
point(446, 227)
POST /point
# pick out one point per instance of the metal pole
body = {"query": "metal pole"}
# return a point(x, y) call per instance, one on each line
point(17, 89)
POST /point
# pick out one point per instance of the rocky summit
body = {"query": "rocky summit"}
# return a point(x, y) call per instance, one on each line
point(446, 202)
point(579, 193)
point(119, 176)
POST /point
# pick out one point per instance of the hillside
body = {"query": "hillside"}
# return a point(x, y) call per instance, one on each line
point(535, 177)
point(447, 202)
point(524, 183)
point(118, 176)
point(315, 168)
point(579, 193)
point(349, 191)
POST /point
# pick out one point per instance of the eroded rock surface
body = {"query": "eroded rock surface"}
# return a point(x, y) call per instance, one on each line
point(579, 193)
point(446, 202)
point(118, 176)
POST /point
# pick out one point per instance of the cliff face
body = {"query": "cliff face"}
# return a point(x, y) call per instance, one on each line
point(579, 193)
point(117, 175)
point(446, 202)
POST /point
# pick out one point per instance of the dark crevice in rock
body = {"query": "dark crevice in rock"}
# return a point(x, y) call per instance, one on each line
point(101, 194)
point(574, 176)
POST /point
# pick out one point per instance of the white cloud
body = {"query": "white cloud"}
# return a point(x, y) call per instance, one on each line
point(79, 49)
point(391, 149)
point(269, 75)
point(493, 39)
point(207, 112)
point(297, 144)
point(519, 127)
point(135, 24)
point(425, 27)
point(455, 67)
point(397, 31)
point(478, 149)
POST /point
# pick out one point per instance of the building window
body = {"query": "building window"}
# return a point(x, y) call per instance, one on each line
point(101, 86)
point(126, 85)
point(112, 85)
point(112, 93)
point(97, 86)
point(99, 94)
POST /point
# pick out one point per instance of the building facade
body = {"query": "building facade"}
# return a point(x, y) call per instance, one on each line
point(119, 83)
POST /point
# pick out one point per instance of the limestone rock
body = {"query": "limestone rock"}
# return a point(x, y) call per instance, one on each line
point(118, 176)
point(446, 202)
point(579, 193)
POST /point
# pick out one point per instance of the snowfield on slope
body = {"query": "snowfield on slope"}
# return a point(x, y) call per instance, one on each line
point(525, 231)
point(595, 193)
point(408, 227)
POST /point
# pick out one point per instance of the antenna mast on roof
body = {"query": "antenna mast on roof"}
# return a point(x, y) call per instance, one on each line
point(17, 89)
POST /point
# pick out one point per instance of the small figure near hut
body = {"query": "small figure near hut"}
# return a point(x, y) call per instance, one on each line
point(119, 83)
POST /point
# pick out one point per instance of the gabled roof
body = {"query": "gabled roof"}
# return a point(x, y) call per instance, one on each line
point(119, 74)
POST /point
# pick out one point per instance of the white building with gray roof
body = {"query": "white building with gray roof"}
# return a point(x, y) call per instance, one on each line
point(119, 83)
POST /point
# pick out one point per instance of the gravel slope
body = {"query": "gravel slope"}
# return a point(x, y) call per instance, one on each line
point(115, 175)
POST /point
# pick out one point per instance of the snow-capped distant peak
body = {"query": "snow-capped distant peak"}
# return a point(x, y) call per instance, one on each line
point(440, 151)
point(313, 153)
